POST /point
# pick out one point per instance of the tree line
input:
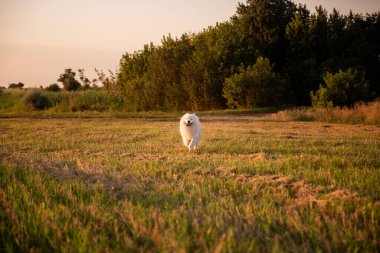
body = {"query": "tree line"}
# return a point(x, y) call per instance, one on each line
point(270, 53)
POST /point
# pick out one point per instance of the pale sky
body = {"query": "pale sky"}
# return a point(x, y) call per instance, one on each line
point(41, 38)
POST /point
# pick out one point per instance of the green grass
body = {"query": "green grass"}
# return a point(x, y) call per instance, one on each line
point(98, 185)
point(10, 99)
point(99, 100)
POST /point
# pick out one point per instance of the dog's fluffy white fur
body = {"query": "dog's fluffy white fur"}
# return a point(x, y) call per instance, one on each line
point(191, 131)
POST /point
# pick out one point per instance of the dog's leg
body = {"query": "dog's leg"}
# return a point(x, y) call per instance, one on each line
point(196, 142)
point(191, 144)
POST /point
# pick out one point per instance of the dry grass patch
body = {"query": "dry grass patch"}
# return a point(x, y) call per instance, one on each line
point(254, 156)
point(361, 113)
point(305, 193)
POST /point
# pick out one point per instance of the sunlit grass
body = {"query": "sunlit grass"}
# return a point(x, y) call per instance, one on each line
point(361, 113)
point(96, 185)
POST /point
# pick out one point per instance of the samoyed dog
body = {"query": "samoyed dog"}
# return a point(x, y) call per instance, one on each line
point(190, 129)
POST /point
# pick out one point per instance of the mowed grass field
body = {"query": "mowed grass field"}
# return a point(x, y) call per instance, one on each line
point(127, 185)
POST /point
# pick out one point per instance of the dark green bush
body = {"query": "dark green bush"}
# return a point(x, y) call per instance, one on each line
point(53, 87)
point(36, 100)
point(258, 85)
point(16, 85)
point(344, 88)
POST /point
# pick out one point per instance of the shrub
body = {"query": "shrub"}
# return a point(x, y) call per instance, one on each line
point(68, 80)
point(36, 100)
point(53, 87)
point(341, 89)
point(255, 86)
point(16, 85)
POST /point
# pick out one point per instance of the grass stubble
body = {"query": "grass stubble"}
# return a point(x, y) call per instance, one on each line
point(127, 185)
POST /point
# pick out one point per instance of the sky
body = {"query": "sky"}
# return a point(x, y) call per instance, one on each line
point(41, 38)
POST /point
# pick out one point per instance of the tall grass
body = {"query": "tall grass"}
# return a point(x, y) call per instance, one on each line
point(89, 100)
point(10, 100)
point(361, 113)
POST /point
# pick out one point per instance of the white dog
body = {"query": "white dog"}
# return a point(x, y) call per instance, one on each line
point(190, 129)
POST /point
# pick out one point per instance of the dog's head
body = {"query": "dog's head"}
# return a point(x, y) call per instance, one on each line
point(188, 119)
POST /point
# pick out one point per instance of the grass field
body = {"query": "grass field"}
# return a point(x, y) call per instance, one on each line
point(256, 185)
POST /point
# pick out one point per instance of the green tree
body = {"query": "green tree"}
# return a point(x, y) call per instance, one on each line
point(262, 26)
point(301, 67)
point(255, 86)
point(85, 81)
point(344, 88)
point(68, 80)
point(164, 73)
point(110, 83)
point(16, 85)
point(202, 74)
point(131, 79)
point(192, 72)
point(151, 79)
point(53, 87)
point(94, 83)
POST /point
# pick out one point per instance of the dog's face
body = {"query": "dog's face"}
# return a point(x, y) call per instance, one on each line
point(189, 119)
